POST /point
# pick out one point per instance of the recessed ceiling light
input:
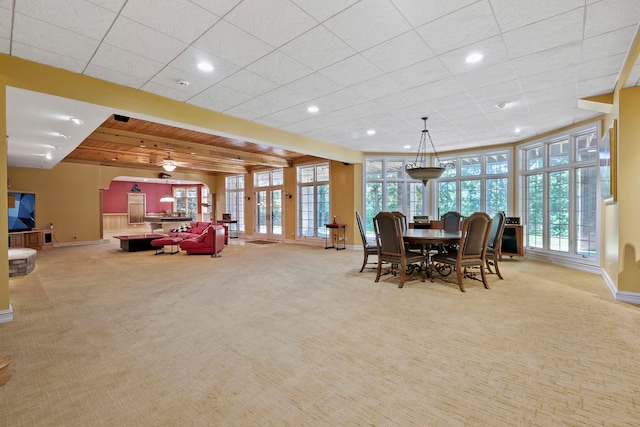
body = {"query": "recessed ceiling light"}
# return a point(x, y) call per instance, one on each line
point(406, 147)
point(313, 109)
point(76, 120)
point(474, 57)
point(205, 66)
point(518, 130)
point(371, 132)
point(49, 156)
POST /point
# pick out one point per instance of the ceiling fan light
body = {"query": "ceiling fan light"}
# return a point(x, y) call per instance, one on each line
point(169, 166)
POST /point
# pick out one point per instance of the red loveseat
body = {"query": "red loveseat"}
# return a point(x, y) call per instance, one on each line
point(210, 241)
point(195, 229)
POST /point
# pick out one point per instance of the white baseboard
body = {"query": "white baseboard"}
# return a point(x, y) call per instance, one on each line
point(6, 315)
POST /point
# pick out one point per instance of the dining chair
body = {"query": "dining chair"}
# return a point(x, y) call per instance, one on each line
point(391, 247)
point(471, 253)
point(369, 248)
point(494, 245)
point(403, 219)
point(451, 222)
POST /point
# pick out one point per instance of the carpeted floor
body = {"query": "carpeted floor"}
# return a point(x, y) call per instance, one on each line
point(261, 242)
point(292, 335)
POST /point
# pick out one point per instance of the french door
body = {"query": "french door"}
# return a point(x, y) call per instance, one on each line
point(269, 221)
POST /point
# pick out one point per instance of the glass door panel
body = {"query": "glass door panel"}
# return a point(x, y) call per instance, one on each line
point(269, 221)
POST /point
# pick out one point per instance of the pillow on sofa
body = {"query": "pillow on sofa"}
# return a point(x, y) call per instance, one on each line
point(181, 229)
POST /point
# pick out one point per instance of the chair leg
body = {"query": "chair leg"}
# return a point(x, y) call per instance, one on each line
point(403, 273)
point(379, 270)
point(495, 264)
point(460, 275)
point(483, 274)
point(366, 257)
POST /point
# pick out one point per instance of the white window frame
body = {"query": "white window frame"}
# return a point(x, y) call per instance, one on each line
point(570, 258)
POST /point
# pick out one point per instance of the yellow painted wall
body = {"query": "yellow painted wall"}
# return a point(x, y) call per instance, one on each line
point(628, 207)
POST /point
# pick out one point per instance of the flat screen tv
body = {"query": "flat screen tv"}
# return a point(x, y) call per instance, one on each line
point(22, 211)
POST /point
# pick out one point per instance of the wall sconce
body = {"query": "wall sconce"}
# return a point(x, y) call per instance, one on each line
point(248, 198)
point(288, 195)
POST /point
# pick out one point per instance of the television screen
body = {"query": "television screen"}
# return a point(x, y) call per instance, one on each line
point(22, 211)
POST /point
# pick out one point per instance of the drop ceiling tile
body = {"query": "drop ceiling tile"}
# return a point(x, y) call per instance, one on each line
point(114, 76)
point(607, 44)
point(556, 58)
point(219, 98)
point(476, 19)
point(541, 36)
point(223, 40)
point(250, 83)
point(381, 86)
point(315, 85)
point(180, 19)
point(188, 61)
point(274, 101)
point(5, 23)
point(167, 92)
point(112, 5)
point(600, 68)
point(171, 78)
point(377, 21)
point(340, 99)
point(512, 14)
point(279, 68)
point(318, 48)
point(5, 45)
point(423, 11)
point(427, 71)
point(39, 34)
point(350, 71)
point(492, 48)
point(114, 58)
point(507, 91)
point(76, 16)
point(219, 7)
point(555, 77)
point(323, 10)
point(144, 41)
point(266, 20)
point(487, 76)
point(597, 86)
point(46, 57)
point(398, 52)
point(609, 15)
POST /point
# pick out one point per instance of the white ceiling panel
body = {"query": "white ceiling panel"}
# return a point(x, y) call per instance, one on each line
point(179, 19)
point(477, 20)
point(377, 21)
point(323, 10)
point(540, 36)
point(264, 19)
point(318, 48)
point(378, 64)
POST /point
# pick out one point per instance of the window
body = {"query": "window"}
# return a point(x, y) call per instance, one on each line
point(234, 200)
point(560, 194)
point(313, 200)
point(186, 201)
point(389, 188)
point(475, 182)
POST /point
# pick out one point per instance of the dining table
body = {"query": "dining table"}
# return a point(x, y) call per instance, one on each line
point(427, 237)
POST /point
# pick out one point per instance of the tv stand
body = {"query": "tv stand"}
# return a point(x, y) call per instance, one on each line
point(35, 239)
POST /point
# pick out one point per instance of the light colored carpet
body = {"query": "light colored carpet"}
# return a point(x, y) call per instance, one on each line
point(291, 335)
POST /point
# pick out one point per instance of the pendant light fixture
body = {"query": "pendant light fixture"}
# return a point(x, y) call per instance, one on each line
point(420, 169)
point(169, 164)
point(168, 198)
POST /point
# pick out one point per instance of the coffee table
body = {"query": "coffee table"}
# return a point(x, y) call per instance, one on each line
point(138, 242)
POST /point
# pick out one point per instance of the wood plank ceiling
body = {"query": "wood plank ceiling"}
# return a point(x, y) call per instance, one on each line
point(141, 144)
